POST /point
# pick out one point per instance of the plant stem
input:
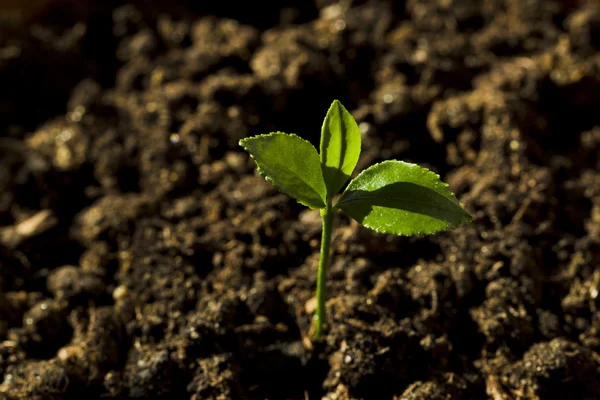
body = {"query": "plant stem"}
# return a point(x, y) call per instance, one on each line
point(327, 216)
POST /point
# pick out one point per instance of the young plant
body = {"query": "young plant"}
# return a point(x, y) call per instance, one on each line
point(392, 197)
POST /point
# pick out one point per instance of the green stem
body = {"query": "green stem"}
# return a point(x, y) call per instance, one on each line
point(327, 216)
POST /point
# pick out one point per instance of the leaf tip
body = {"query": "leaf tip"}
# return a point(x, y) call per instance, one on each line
point(468, 217)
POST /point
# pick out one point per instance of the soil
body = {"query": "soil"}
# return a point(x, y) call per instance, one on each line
point(141, 256)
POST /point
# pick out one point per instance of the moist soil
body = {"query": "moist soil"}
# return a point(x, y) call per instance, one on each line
point(141, 256)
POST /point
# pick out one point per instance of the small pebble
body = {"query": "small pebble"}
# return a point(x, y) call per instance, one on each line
point(119, 292)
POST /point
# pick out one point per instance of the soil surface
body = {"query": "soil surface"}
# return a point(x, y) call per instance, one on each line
point(141, 256)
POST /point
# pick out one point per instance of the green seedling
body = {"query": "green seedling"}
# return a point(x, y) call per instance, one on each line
point(392, 197)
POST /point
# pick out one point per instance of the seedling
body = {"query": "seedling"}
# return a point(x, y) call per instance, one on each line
point(392, 197)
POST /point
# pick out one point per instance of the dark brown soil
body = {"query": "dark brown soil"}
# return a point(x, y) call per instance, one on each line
point(142, 257)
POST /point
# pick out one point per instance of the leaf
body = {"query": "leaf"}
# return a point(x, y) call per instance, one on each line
point(291, 164)
point(402, 199)
point(340, 147)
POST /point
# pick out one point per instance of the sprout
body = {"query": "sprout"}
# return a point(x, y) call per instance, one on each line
point(392, 197)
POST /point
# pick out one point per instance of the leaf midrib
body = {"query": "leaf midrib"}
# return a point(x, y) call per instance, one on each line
point(301, 178)
point(342, 147)
point(428, 204)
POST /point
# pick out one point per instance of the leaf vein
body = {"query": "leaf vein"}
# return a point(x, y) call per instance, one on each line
point(301, 178)
point(409, 200)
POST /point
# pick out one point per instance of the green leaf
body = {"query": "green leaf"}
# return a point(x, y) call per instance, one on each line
point(340, 147)
point(402, 199)
point(291, 164)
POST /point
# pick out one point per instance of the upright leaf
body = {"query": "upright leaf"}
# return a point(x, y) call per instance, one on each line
point(402, 199)
point(291, 164)
point(340, 147)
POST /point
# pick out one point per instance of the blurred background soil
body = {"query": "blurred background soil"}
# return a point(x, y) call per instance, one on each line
point(142, 257)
